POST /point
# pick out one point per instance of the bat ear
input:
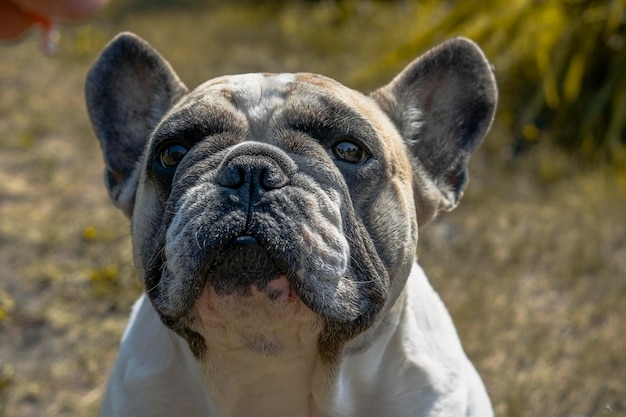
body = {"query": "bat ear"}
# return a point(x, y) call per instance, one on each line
point(129, 88)
point(443, 104)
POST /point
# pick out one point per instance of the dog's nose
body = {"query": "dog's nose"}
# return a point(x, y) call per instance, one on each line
point(256, 165)
point(253, 170)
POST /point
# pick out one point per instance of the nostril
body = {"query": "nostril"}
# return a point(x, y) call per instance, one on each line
point(232, 176)
point(272, 178)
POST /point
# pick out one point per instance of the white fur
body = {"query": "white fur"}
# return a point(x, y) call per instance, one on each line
point(257, 95)
point(414, 120)
point(414, 367)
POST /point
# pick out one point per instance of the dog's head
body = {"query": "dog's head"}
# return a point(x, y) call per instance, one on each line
point(283, 197)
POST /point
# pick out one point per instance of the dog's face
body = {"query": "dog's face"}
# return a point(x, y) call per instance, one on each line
point(277, 209)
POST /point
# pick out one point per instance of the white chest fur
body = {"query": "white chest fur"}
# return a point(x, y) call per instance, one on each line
point(414, 367)
point(261, 355)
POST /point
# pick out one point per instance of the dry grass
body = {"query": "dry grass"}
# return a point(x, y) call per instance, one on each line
point(532, 265)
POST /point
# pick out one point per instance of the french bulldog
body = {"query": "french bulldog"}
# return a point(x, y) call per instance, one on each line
point(274, 223)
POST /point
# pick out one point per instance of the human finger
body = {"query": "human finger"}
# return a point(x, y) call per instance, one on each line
point(13, 21)
point(64, 10)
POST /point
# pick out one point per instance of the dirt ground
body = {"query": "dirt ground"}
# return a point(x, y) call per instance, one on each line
point(532, 265)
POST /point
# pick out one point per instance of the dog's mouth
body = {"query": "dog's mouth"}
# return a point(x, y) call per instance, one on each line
point(283, 259)
point(244, 264)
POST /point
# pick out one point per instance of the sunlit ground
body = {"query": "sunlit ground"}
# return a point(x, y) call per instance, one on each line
point(532, 265)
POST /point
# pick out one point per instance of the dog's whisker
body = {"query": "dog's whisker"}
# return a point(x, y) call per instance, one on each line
point(153, 288)
point(197, 240)
point(158, 258)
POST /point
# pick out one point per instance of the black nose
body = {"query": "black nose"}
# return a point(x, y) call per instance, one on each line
point(255, 165)
point(256, 171)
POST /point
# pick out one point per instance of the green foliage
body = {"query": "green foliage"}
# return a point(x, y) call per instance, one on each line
point(561, 64)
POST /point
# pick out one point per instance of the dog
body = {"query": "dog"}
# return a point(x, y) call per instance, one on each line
point(274, 223)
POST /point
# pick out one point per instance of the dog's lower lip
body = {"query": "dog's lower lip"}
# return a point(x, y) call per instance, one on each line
point(244, 262)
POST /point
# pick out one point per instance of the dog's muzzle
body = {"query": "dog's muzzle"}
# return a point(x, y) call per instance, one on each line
point(251, 219)
point(248, 172)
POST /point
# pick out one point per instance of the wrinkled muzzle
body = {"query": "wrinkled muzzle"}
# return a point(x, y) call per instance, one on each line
point(257, 218)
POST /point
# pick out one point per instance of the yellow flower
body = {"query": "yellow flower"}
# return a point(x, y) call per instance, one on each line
point(89, 233)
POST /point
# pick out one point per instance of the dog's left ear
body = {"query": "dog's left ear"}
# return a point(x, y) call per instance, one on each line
point(129, 89)
point(443, 104)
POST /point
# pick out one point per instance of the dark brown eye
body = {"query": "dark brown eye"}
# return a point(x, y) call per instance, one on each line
point(350, 152)
point(171, 155)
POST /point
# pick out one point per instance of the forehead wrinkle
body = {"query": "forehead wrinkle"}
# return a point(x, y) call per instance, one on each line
point(257, 97)
point(206, 112)
point(315, 110)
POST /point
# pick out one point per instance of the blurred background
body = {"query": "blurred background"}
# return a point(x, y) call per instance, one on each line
point(532, 265)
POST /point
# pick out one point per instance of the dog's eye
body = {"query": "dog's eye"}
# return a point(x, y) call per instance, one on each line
point(350, 152)
point(171, 155)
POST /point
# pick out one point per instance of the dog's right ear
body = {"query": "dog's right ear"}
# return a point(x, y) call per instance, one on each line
point(129, 89)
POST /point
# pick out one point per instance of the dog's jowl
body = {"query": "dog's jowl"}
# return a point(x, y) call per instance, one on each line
point(275, 219)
